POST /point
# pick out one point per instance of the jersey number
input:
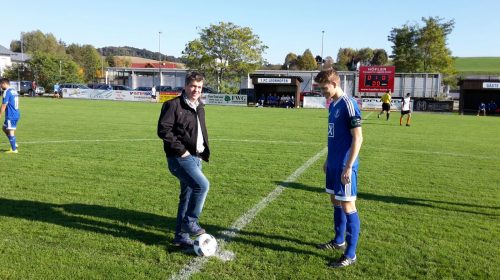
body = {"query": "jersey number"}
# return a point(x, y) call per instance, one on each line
point(331, 130)
point(16, 102)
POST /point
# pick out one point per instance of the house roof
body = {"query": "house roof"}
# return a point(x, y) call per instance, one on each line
point(5, 51)
point(20, 57)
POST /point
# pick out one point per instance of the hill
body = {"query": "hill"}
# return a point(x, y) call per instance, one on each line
point(478, 65)
point(131, 51)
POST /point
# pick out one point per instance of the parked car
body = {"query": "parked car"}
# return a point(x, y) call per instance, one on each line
point(143, 88)
point(40, 90)
point(25, 87)
point(95, 86)
point(114, 87)
point(71, 86)
point(178, 89)
point(163, 88)
point(208, 90)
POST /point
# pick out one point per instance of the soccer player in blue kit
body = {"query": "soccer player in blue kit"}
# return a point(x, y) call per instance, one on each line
point(341, 166)
point(10, 105)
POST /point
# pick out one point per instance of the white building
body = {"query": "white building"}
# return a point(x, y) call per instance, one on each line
point(5, 59)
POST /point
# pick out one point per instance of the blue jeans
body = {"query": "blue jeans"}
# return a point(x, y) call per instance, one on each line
point(194, 189)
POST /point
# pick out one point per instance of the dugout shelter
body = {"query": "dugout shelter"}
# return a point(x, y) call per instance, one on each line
point(474, 90)
point(277, 85)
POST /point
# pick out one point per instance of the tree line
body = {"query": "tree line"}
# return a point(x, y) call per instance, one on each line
point(226, 51)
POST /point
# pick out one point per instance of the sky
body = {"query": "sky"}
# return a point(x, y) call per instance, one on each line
point(323, 26)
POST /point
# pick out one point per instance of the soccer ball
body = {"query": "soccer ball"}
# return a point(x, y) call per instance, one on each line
point(205, 245)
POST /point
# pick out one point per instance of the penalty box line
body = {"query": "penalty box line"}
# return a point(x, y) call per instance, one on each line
point(196, 264)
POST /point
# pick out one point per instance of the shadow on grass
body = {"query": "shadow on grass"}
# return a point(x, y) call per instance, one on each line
point(299, 186)
point(439, 204)
point(123, 223)
point(276, 243)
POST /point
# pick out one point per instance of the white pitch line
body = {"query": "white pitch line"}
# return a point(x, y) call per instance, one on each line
point(256, 141)
point(196, 264)
point(367, 116)
point(158, 139)
point(83, 141)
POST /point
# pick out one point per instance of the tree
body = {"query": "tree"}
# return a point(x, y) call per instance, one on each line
point(423, 49)
point(329, 63)
point(432, 44)
point(307, 61)
point(405, 53)
point(47, 69)
point(345, 58)
point(225, 52)
point(379, 57)
point(290, 62)
point(37, 41)
point(364, 56)
point(88, 59)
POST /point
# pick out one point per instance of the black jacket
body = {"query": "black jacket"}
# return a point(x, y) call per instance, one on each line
point(178, 128)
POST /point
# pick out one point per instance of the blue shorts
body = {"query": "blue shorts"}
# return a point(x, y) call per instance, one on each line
point(10, 124)
point(342, 192)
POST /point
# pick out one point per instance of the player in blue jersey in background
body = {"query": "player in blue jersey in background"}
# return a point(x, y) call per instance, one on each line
point(10, 106)
point(341, 166)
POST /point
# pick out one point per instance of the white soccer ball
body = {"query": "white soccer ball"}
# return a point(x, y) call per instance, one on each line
point(205, 245)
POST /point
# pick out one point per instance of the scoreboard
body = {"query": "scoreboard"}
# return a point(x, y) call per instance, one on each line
point(376, 78)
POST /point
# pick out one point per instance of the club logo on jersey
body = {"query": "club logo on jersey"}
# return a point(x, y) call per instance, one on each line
point(337, 113)
point(330, 129)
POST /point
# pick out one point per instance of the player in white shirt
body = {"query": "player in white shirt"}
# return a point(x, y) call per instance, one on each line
point(405, 110)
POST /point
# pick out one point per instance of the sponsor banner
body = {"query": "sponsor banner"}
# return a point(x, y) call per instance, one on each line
point(168, 95)
point(224, 99)
point(117, 95)
point(321, 102)
point(314, 102)
point(434, 106)
point(376, 104)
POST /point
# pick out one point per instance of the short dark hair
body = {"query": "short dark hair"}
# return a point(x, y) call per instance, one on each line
point(194, 76)
point(4, 80)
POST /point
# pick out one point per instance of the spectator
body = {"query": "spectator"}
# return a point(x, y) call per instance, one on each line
point(482, 109)
point(153, 93)
point(492, 108)
point(56, 90)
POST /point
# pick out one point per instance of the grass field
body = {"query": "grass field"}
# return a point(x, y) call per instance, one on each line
point(478, 65)
point(89, 195)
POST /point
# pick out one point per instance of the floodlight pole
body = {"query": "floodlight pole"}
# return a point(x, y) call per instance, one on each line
point(322, 37)
point(159, 57)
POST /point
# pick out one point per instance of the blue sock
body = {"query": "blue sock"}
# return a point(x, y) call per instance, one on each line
point(339, 223)
point(353, 226)
point(12, 140)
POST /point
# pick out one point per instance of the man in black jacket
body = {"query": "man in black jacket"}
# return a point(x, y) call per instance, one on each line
point(185, 140)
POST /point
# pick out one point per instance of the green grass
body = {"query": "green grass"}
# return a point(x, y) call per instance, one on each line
point(429, 196)
point(478, 65)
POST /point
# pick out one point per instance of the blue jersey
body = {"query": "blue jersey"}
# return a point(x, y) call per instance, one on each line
point(342, 114)
point(11, 99)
